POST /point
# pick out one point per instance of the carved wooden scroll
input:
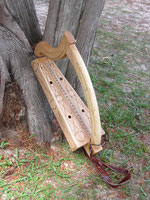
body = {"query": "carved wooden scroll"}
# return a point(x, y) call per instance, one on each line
point(44, 49)
point(81, 125)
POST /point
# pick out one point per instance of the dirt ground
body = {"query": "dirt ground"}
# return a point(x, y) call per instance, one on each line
point(132, 13)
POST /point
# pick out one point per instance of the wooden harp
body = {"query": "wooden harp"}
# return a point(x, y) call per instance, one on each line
point(80, 123)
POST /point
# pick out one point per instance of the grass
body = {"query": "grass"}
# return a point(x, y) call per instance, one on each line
point(39, 176)
point(124, 98)
point(122, 89)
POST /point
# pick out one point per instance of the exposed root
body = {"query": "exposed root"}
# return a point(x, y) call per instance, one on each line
point(18, 60)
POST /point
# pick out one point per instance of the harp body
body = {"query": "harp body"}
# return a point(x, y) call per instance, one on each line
point(80, 123)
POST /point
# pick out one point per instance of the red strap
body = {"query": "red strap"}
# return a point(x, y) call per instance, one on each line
point(101, 169)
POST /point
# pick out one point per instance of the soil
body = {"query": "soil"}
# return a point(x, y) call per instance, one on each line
point(135, 13)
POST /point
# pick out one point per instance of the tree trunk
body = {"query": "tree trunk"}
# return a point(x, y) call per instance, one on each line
point(18, 29)
point(79, 17)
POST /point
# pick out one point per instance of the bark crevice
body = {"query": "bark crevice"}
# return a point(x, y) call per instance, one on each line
point(79, 17)
point(19, 29)
point(4, 76)
point(16, 56)
point(24, 14)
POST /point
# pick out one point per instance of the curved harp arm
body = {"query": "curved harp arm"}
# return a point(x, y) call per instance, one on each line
point(67, 48)
point(83, 75)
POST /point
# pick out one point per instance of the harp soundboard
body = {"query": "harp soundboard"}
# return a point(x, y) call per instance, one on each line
point(80, 123)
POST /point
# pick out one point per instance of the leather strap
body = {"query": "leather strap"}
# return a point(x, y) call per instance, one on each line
point(100, 166)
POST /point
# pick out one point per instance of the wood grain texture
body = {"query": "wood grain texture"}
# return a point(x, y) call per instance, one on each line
point(89, 93)
point(62, 15)
point(8, 21)
point(24, 14)
point(16, 58)
point(44, 49)
point(85, 35)
point(71, 113)
point(4, 76)
point(19, 29)
point(67, 47)
point(81, 18)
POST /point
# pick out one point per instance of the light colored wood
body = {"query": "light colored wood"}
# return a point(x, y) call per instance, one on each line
point(81, 18)
point(44, 49)
point(70, 111)
point(68, 48)
point(86, 83)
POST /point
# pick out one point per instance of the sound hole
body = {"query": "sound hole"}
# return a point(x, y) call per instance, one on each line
point(69, 116)
point(51, 82)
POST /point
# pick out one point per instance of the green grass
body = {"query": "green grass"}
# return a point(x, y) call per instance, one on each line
point(38, 176)
point(124, 100)
point(122, 89)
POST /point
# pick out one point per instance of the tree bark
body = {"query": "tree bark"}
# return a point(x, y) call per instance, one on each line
point(62, 15)
point(16, 35)
point(23, 12)
point(19, 30)
point(79, 17)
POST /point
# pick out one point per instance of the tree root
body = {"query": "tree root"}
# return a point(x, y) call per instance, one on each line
point(18, 58)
